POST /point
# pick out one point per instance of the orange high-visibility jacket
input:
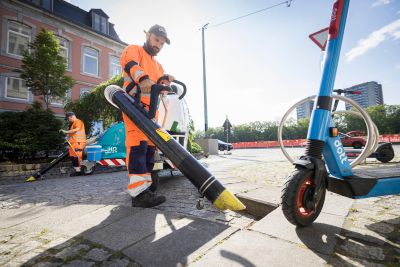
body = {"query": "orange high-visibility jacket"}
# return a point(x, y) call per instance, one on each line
point(80, 135)
point(137, 63)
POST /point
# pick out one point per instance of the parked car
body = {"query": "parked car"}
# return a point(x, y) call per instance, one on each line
point(352, 141)
point(224, 146)
point(356, 133)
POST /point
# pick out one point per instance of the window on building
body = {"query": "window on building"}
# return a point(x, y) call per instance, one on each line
point(69, 95)
point(91, 61)
point(61, 100)
point(56, 100)
point(19, 35)
point(100, 23)
point(97, 22)
point(104, 25)
point(115, 68)
point(46, 4)
point(64, 49)
point(84, 91)
point(16, 88)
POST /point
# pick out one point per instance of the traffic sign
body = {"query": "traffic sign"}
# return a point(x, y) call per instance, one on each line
point(320, 38)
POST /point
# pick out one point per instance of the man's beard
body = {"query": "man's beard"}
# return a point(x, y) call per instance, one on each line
point(152, 51)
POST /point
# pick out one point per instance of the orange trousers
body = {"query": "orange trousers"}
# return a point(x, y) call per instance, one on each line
point(76, 151)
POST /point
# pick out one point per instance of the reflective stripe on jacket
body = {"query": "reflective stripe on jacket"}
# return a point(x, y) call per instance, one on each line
point(137, 63)
point(79, 135)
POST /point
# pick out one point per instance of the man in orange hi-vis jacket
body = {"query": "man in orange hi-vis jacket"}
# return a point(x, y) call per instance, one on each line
point(141, 71)
point(77, 139)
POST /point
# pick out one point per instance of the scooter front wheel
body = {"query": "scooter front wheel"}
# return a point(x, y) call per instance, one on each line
point(298, 203)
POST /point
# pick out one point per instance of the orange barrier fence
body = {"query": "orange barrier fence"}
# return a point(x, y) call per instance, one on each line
point(268, 144)
point(393, 138)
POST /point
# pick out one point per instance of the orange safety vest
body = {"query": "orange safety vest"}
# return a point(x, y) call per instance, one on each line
point(80, 135)
point(137, 64)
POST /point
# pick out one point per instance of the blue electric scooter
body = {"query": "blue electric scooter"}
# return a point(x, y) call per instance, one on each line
point(304, 193)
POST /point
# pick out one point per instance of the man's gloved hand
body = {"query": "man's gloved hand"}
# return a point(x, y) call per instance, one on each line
point(166, 79)
point(145, 86)
point(62, 131)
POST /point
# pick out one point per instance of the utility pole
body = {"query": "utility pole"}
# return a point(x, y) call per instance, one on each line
point(204, 80)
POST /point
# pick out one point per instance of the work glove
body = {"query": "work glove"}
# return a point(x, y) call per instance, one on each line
point(62, 131)
point(145, 86)
point(166, 79)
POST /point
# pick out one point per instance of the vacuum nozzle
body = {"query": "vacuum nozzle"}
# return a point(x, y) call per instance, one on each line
point(110, 91)
point(228, 201)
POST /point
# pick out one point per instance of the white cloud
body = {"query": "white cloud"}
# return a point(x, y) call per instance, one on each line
point(397, 67)
point(374, 39)
point(381, 2)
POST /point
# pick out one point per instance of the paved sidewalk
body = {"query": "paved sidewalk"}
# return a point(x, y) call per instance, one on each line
point(88, 221)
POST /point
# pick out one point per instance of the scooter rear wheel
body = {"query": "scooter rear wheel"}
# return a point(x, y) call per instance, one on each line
point(385, 155)
point(298, 203)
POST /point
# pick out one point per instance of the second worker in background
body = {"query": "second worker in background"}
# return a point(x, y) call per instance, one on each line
point(141, 70)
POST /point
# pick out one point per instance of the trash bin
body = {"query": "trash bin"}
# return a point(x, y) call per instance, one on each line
point(93, 153)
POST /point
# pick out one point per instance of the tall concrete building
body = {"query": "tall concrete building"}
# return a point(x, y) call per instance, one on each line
point(304, 110)
point(371, 94)
point(88, 41)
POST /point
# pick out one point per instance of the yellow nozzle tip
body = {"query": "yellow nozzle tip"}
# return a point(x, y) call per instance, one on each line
point(31, 179)
point(228, 201)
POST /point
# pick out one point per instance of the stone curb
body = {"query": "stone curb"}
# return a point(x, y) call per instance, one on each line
point(61, 170)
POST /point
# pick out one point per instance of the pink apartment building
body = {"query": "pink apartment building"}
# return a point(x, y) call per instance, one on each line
point(88, 41)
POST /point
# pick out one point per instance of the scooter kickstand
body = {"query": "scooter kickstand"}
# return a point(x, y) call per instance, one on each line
point(200, 202)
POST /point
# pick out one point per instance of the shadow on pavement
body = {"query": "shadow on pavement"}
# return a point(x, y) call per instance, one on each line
point(237, 258)
point(342, 247)
point(71, 209)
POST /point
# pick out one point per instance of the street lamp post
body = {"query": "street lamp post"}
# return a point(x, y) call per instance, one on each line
point(204, 80)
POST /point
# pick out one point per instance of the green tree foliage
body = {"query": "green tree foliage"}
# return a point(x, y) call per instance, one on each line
point(260, 131)
point(192, 146)
point(393, 118)
point(43, 68)
point(94, 106)
point(385, 117)
point(28, 132)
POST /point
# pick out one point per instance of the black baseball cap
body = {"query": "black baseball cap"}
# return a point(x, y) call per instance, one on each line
point(160, 31)
point(69, 114)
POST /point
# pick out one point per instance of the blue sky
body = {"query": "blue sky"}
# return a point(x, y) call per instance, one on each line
point(257, 67)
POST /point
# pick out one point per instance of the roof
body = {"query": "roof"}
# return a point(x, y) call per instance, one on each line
point(99, 11)
point(78, 16)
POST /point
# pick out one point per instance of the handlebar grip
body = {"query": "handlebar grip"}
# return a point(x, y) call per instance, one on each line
point(156, 89)
point(184, 88)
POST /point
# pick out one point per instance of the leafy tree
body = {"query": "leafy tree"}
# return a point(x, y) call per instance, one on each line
point(28, 132)
point(94, 106)
point(379, 117)
point(385, 117)
point(43, 68)
point(393, 118)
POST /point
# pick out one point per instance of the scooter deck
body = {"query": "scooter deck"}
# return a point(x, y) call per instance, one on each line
point(364, 183)
point(381, 172)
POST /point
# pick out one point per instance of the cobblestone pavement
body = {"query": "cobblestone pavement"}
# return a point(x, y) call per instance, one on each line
point(30, 235)
point(50, 222)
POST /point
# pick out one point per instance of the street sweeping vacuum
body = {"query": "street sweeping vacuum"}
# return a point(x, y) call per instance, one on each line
point(108, 149)
point(207, 184)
